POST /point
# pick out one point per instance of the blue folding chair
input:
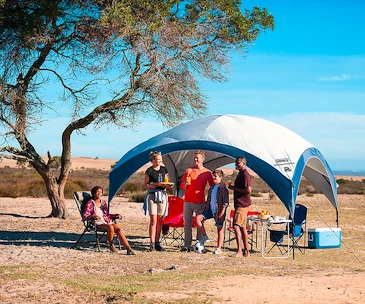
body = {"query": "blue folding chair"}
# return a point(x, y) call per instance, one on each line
point(298, 228)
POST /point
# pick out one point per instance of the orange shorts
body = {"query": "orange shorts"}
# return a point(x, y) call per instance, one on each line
point(240, 216)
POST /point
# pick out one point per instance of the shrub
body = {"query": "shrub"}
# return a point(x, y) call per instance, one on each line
point(37, 189)
point(132, 186)
point(342, 181)
point(6, 190)
point(272, 196)
point(81, 183)
point(137, 197)
point(256, 194)
point(310, 189)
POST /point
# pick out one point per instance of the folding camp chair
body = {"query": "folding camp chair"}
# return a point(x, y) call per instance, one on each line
point(228, 226)
point(277, 238)
point(173, 223)
point(251, 230)
point(297, 230)
point(81, 199)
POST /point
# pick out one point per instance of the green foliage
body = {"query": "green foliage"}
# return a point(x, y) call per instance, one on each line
point(342, 181)
point(150, 54)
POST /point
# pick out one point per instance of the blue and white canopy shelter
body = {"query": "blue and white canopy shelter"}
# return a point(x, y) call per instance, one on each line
point(279, 156)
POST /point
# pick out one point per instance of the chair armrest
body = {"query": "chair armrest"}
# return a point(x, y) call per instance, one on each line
point(115, 216)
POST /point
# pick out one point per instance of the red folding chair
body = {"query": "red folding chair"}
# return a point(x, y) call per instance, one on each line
point(251, 229)
point(173, 223)
point(228, 226)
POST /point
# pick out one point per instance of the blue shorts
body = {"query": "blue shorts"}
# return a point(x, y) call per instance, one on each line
point(208, 214)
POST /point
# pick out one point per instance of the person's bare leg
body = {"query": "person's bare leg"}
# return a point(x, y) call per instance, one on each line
point(153, 227)
point(244, 232)
point(158, 228)
point(200, 226)
point(122, 237)
point(220, 237)
point(110, 234)
point(109, 228)
point(237, 230)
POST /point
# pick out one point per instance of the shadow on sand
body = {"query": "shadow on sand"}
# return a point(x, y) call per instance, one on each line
point(59, 239)
point(23, 216)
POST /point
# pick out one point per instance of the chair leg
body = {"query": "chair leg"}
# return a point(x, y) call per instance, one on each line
point(175, 236)
point(78, 240)
point(98, 240)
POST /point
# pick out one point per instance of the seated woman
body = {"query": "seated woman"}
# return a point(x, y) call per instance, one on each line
point(97, 209)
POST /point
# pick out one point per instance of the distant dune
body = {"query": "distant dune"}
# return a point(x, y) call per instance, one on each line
point(79, 163)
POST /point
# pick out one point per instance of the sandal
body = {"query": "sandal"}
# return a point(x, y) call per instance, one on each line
point(112, 248)
point(130, 252)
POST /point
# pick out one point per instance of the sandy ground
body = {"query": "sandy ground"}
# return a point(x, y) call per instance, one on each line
point(36, 263)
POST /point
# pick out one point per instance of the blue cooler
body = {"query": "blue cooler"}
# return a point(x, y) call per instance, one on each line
point(324, 238)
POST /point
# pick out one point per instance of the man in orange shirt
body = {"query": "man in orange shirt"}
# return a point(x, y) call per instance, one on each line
point(194, 182)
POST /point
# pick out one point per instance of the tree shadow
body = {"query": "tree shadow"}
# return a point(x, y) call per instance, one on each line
point(35, 238)
point(60, 239)
point(23, 216)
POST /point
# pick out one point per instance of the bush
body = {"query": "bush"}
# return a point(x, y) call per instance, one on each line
point(81, 183)
point(137, 197)
point(272, 196)
point(37, 189)
point(256, 194)
point(310, 189)
point(342, 181)
point(18, 182)
point(132, 187)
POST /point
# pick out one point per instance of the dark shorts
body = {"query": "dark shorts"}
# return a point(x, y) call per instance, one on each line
point(208, 214)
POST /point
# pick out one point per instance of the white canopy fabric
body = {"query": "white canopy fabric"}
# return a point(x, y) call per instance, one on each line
point(279, 156)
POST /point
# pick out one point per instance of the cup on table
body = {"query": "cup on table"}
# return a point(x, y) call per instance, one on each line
point(166, 179)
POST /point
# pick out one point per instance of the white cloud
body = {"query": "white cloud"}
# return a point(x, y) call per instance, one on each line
point(343, 77)
point(339, 136)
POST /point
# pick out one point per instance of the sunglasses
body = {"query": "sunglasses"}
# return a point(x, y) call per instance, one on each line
point(155, 152)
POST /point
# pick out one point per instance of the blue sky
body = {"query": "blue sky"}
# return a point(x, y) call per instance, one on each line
point(307, 75)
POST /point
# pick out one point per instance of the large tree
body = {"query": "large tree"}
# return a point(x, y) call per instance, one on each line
point(150, 53)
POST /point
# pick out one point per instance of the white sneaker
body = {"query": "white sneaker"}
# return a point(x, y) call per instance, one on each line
point(217, 251)
point(203, 239)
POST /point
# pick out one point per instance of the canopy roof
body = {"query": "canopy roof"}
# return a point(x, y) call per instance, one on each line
point(279, 156)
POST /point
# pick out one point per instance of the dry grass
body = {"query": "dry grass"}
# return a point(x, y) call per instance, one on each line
point(18, 182)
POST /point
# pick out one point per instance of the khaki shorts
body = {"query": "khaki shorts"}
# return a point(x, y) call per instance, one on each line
point(156, 208)
point(240, 216)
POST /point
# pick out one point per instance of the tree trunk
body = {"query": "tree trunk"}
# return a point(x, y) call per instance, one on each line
point(55, 191)
point(56, 196)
